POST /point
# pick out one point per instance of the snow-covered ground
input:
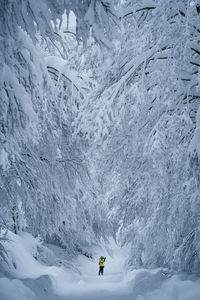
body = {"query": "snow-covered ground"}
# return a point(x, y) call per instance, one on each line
point(28, 278)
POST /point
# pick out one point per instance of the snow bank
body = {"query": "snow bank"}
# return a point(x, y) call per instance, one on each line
point(161, 285)
point(33, 280)
point(14, 290)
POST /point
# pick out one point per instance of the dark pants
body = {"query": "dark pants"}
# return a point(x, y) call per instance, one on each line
point(101, 270)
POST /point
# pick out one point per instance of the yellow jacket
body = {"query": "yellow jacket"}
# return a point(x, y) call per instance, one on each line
point(101, 262)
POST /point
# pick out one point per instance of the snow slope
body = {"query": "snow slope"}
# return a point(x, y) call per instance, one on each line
point(31, 279)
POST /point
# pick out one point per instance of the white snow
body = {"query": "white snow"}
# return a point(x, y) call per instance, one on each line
point(73, 76)
point(4, 161)
point(14, 290)
point(118, 281)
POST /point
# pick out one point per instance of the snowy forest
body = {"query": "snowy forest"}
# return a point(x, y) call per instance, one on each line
point(99, 149)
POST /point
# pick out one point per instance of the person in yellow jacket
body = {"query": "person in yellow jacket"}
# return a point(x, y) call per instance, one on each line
point(101, 264)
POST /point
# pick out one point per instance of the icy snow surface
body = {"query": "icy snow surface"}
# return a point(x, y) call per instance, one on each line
point(34, 280)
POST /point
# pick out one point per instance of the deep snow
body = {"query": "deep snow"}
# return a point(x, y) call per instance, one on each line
point(30, 279)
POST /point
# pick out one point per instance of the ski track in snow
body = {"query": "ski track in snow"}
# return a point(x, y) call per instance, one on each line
point(36, 281)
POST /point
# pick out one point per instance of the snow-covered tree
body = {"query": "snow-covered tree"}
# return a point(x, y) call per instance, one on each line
point(141, 123)
point(45, 182)
point(102, 118)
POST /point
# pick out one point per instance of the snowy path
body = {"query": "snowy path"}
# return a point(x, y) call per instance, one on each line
point(88, 283)
point(31, 280)
point(112, 282)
